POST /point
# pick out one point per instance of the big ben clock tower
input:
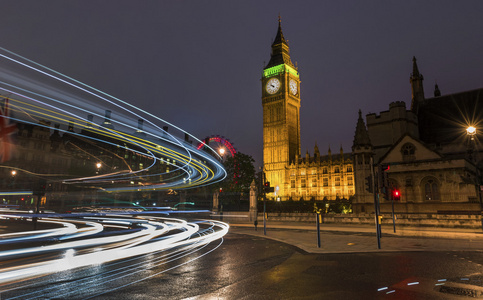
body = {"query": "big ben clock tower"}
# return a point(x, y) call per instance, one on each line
point(281, 114)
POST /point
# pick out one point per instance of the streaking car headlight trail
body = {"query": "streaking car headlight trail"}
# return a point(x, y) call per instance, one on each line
point(37, 95)
point(134, 236)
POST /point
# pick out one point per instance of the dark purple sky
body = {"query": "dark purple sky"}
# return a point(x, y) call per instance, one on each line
point(198, 64)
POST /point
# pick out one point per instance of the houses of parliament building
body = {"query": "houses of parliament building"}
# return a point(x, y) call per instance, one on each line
point(430, 154)
point(295, 177)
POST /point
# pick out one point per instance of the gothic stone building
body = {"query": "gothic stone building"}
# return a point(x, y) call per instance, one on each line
point(293, 177)
point(431, 159)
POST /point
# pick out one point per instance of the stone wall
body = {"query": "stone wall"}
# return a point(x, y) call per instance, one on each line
point(428, 220)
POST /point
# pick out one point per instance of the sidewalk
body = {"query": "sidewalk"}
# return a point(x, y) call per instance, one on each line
point(344, 238)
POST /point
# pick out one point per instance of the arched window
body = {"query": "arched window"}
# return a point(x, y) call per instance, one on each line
point(430, 188)
point(408, 151)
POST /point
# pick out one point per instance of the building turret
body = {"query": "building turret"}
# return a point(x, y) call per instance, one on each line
point(316, 152)
point(280, 49)
point(437, 92)
point(417, 91)
point(361, 137)
point(363, 159)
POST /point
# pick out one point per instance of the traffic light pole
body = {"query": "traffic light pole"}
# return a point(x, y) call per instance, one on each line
point(376, 206)
point(264, 202)
point(393, 217)
point(264, 214)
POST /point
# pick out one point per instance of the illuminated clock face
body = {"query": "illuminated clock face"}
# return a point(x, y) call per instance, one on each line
point(293, 86)
point(273, 85)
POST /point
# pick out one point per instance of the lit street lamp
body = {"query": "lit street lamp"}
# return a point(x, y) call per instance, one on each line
point(471, 132)
point(98, 165)
point(222, 153)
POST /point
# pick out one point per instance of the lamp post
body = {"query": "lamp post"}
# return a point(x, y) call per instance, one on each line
point(98, 166)
point(471, 132)
point(222, 153)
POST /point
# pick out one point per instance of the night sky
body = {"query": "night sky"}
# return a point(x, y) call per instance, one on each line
point(198, 64)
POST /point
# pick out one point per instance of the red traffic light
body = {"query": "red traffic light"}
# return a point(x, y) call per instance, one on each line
point(396, 194)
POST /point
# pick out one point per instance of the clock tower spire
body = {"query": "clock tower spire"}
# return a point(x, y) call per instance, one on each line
point(281, 113)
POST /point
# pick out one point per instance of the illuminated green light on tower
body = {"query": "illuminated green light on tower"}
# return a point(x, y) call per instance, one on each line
point(280, 69)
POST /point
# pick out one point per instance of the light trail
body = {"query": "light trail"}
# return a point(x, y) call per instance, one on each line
point(40, 93)
point(157, 235)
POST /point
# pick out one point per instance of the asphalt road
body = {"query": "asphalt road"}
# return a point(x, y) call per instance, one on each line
point(252, 267)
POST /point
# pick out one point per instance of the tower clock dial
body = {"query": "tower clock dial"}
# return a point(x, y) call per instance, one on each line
point(273, 85)
point(293, 86)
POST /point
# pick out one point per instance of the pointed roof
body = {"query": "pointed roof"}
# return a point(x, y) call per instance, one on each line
point(423, 152)
point(437, 92)
point(280, 50)
point(279, 39)
point(361, 137)
point(415, 68)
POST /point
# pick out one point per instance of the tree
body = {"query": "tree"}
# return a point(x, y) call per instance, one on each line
point(240, 173)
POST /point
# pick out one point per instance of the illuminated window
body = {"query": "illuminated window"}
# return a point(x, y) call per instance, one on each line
point(337, 181)
point(324, 171)
point(349, 180)
point(326, 181)
point(349, 169)
point(314, 182)
point(336, 170)
point(292, 183)
point(303, 183)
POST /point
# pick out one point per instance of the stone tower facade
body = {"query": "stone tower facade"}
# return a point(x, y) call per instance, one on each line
point(295, 177)
point(281, 113)
point(363, 157)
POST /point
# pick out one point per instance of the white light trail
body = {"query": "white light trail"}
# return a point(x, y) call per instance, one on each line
point(40, 93)
point(157, 235)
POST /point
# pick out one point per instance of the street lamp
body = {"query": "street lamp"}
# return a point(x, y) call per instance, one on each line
point(222, 153)
point(98, 165)
point(471, 132)
point(13, 172)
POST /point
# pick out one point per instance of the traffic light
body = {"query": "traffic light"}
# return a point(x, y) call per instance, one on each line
point(369, 185)
point(382, 175)
point(39, 188)
point(396, 195)
point(267, 188)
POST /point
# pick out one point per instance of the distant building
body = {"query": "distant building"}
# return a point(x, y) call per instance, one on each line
point(431, 159)
point(293, 176)
point(42, 153)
